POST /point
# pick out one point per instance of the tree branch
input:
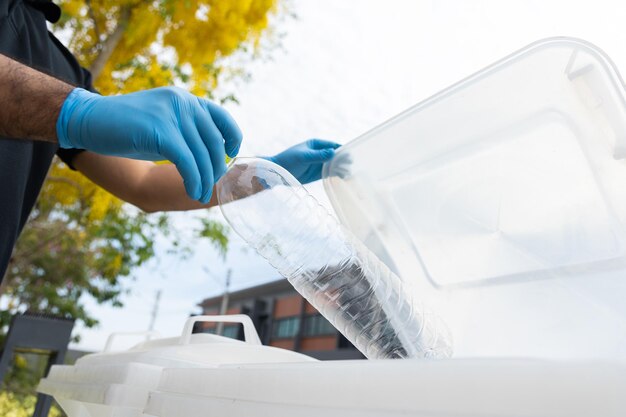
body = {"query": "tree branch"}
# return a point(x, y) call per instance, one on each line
point(92, 16)
point(111, 42)
point(25, 257)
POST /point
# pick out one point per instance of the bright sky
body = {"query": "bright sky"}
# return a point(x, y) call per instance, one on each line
point(345, 67)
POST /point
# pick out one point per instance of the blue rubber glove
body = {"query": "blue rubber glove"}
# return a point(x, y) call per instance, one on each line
point(160, 124)
point(304, 161)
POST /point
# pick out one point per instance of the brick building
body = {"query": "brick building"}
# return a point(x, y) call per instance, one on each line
point(283, 319)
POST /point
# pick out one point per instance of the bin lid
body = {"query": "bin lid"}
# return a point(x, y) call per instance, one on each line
point(123, 379)
point(502, 199)
point(198, 349)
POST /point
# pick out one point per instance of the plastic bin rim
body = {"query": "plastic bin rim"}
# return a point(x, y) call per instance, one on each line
point(598, 53)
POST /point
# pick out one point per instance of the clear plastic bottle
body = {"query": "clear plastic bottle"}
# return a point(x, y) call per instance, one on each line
point(325, 263)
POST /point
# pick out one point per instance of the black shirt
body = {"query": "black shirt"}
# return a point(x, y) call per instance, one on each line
point(24, 163)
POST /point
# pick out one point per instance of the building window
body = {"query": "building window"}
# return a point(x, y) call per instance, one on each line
point(286, 328)
point(317, 325)
point(230, 331)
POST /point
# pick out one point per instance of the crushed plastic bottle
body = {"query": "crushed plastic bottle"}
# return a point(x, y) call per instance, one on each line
point(325, 263)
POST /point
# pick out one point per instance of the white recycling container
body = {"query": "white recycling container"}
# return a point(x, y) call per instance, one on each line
point(205, 375)
point(502, 199)
point(117, 384)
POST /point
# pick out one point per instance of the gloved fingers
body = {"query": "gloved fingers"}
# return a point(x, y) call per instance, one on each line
point(322, 144)
point(342, 165)
point(177, 152)
point(227, 126)
point(214, 142)
point(314, 174)
point(318, 156)
point(203, 155)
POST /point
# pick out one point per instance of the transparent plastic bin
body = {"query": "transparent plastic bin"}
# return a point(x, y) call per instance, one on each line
point(503, 200)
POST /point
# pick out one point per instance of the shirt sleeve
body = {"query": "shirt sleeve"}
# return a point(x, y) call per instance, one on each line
point(68, 155)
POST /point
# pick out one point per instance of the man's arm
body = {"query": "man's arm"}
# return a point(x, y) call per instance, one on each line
point(30, 100)
point(153, 187)
point(144, 184)
point(159, 124)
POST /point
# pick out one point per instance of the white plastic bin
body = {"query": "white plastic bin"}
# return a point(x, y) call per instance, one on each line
point(118, 384)
point(207, 375)
point(503, 200)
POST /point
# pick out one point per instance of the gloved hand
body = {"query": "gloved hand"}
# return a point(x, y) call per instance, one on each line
point(304, 161)
point(163, 123)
